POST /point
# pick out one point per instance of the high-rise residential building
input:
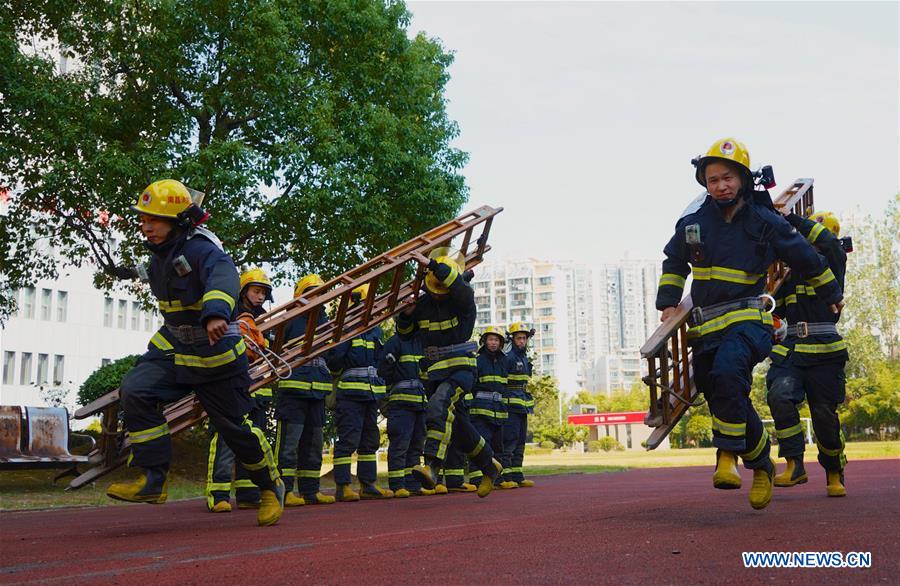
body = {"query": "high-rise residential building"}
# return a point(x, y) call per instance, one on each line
point(556, 298)
point(626, 316)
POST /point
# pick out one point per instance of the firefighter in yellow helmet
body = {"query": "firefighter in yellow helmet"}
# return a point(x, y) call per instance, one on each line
point(199, 349)
point(300, 414)
point(255, 289)
point(443, 320)
point(487, 402)
point(360, 391)
point(809, 364)
point(519, 403)
point(728, 237)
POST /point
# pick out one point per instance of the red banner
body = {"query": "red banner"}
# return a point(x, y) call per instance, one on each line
point(607, 418)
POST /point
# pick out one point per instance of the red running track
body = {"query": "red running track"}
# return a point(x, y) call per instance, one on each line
point(663, 525)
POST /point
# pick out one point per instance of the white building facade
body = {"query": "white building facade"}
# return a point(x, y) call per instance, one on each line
point(626, 316)
point(556, 299)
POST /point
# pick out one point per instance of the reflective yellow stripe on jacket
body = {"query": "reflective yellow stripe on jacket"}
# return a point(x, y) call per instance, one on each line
point(725, 274)
point(216, 361)
point(175, 305)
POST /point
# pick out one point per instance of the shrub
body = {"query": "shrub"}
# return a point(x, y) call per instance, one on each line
point(608, 444)
point(547, 444)
point(594, 446)
point(105, 379)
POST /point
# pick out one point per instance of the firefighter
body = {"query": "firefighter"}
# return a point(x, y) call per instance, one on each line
point(199, 349)
point(256, 289)
point(359, 393)
point(519, 403)
point(443, 319)
point(405, 411)
point(300, 415)
point(809, 364)
point(487, 402)
point(728, 237)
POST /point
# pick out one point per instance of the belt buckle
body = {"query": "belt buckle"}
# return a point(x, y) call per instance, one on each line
point(185, 332)
point(430, 353)
point(697, 315)
point(802, 329)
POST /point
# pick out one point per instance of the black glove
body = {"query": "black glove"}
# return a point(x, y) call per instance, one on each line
point(121, 272)
point(468, 276)
point(433, 265)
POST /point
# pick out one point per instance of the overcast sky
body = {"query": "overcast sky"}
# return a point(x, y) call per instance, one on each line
point(581, 118)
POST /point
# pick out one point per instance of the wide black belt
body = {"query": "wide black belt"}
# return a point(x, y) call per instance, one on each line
point(700, 315)
point(187, 334)
point(802, 329)
point(435, 353)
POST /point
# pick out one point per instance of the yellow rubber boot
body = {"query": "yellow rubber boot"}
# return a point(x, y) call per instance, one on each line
point(761, 489)
point(835, 484)
point(271, 504)
point(319, 499)
point(793, 475)
point(526, 484)
point(464, 487)
point(345, 494)
point(508, 485)
point(402, 494)
point(427, 475)
point(440, 489)
point(151, 487)
point(423, 492)
point(292, 500)
point(248, 505)
point(490, 476)
point(726, 476)
point(374, 492)
point(221, 507)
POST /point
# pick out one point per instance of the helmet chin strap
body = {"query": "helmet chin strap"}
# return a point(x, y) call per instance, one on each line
point(724, 204)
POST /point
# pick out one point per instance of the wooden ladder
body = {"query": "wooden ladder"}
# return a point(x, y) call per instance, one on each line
point(394, 280)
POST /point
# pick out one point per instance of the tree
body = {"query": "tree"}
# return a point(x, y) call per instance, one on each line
point(317, 129)
point(545, 391)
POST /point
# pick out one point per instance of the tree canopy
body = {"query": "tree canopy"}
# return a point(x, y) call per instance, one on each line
point(317, 129)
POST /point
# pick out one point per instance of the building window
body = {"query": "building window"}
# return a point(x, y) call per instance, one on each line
point(135, 315)
point(107, 312)
point(43, 366)
point(25, 369)
point(9, 367)
point(147, 321)
point(123, 310)
point(545, 311)
point(59, 367)
point(62, 301)
point(46, 298)
point(105, 361)
point(28, 303)
point(628, 435)
point(546, 342)
point(545, 281)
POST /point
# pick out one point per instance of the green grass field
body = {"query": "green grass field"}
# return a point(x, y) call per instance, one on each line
point(34, 489)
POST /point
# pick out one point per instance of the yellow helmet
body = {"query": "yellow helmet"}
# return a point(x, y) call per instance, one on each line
point(448, 256)
point(495, 330)
point(164, 199)
point(519, 327)
point(306, 283)
point(256, 276)
point(727, 149)
point(829, 220)
point(360, 293)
